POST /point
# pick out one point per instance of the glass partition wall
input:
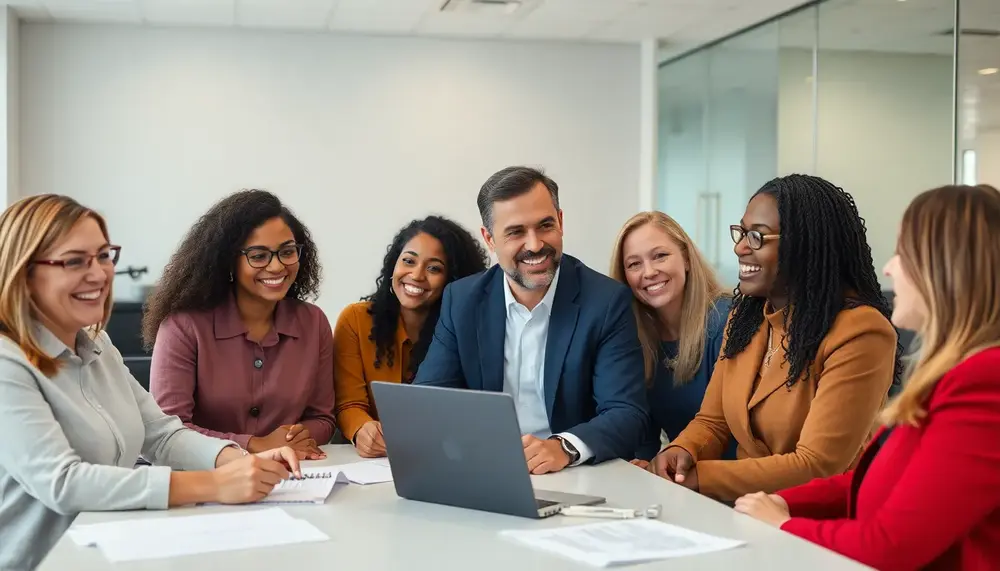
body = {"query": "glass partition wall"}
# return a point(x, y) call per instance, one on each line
point(870, 94)
point(978, 92)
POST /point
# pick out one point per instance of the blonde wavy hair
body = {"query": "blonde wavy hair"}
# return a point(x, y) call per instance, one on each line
point(701, 291)
point(30, 227)
point(949, 248)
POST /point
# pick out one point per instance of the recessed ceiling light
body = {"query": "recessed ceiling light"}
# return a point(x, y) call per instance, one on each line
point(988, 71)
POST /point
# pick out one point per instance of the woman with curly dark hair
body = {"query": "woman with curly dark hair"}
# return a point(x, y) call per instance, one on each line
point(809, 353)
point(385, 336)
point(238, 352)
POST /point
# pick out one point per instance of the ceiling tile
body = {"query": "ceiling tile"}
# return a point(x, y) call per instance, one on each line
point(580, 10)
point(189, 12)
point(120, 11)
point(567, 19)
point(653, 20)
point(379, 15)
point(550, 29)
point(458, 24)
point(301, 14)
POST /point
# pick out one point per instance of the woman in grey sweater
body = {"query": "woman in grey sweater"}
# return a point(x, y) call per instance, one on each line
point(74, 418)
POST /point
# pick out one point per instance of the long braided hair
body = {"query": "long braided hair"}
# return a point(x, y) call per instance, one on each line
point(826, 264)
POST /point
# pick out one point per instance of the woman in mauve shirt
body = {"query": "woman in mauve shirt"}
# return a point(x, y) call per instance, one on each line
point(237, 351)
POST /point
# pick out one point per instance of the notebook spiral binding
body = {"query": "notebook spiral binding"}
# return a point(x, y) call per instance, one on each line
point(314, 476)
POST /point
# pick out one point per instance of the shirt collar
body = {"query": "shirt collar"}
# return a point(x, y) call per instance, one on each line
point(228, 322)
point(85, 348)
point(546, 302)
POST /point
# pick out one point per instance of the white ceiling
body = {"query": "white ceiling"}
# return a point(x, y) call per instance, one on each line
point(682, 24)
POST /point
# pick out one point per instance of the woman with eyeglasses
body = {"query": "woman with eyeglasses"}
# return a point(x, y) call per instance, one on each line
point(809, 353)
point(238, 352)
point(926, 493)
point(75, 420)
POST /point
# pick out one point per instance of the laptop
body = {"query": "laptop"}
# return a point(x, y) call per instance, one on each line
point(461, 448)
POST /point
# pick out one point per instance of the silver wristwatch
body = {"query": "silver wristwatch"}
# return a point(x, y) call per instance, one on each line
point(568, 448)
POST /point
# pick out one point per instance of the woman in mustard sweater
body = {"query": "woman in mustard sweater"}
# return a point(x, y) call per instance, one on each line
point(809, 353)
point(385, 336)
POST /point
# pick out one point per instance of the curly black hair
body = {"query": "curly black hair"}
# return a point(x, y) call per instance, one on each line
point(826, 264)
point(197, 277)
point(464, 257)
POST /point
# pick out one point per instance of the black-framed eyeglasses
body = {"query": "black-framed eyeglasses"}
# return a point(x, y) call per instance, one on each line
point(754, 238)
point(106, 257)
point(260, 257)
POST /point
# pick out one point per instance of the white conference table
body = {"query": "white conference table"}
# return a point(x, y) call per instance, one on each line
point(371, 528)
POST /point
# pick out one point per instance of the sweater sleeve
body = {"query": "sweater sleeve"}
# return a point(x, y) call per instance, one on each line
point(350, 386)
point(852, 386)
point(951, 483)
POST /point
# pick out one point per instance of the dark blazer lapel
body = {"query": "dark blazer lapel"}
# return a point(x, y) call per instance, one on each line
point(491, 328)
point(562, 325)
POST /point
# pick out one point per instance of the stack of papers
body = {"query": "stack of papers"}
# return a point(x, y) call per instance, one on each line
point(621, 542)
point(156, 538)
point(367, 472)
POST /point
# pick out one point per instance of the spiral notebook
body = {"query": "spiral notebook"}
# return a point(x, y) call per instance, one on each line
point(313, 487)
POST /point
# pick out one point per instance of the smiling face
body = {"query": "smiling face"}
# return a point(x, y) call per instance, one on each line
point(527, 238)
point(909, 311)
point(655, 268)
point(759, 268)
point(271, 280)
point(421, 273)
point(73, 296)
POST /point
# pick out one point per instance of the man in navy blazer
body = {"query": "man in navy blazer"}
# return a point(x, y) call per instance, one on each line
point(541, 326)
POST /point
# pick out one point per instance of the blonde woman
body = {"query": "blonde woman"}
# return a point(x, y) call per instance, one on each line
point(926, 493)
point(74, 418)
point(681, 312)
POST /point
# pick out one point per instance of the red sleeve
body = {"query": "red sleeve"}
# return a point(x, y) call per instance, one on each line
point(172, 375)
point(318, 415)
point(821, 498)
point(951, 484)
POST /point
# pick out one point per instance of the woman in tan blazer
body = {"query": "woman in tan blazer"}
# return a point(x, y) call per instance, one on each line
point(808, 356)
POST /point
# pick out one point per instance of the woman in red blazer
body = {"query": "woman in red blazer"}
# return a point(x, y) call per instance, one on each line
point(926, 493)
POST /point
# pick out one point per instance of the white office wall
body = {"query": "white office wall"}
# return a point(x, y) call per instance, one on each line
point(358, 134)
point(884, 133)
point(10, 117)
